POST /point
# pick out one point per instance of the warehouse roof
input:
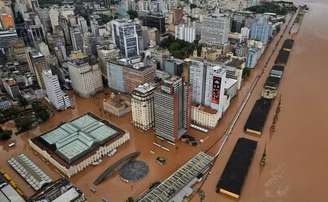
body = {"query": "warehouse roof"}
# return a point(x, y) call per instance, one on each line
point(258, 115)
point(72, 140)
point(179, 179)
point(235, 172)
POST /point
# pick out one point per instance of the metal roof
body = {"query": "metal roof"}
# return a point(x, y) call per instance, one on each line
point(179, 179)
point(76, 137)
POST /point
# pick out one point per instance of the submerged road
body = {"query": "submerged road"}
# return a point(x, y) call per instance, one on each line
point(296, 159)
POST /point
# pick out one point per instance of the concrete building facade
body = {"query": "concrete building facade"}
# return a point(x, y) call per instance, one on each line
point(86, 79)
point(215, 30)
point(172, 108)
point(142, 103)
point(55, 94)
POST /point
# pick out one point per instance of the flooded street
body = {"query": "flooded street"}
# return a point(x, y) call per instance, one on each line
point(296, 168)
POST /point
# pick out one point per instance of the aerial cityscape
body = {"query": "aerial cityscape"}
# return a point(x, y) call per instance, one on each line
point(163, 100)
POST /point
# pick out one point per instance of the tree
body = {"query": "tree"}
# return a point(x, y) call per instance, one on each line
point(24, 123)
point(246, 72)
point(22, 101)
point(5, 134)
point(133, 14)
point(130, 199)
point(41, 111)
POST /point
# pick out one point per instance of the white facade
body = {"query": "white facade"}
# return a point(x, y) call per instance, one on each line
point(142, 103)
point(125, 37)
point(54, 17)
point(215, 30)
point(186, 33)
point(55, 94)
point(86, 79)
point(203, 118)
point(197, 72)
point(244, 34)
point(215, 86)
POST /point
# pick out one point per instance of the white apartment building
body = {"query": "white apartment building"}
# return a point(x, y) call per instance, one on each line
point(185, 32)
point(197, 75)
point(215, 30)
point(55, 94)
point(142, 103)
point(86, 79)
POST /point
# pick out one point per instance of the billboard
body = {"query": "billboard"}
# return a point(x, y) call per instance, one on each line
point(216, 89)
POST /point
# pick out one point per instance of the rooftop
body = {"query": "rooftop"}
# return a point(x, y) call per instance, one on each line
point(145, 88)
point(76, 139)
point(172, 186)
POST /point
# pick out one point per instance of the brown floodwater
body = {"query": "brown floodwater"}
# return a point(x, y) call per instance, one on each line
point(297, 161)
point(296, 167)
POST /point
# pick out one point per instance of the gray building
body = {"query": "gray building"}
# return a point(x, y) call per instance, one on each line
point(172, 108)
point(215, 30)
point(125, 37)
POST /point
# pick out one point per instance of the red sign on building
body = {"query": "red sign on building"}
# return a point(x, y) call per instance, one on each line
point(216, 89)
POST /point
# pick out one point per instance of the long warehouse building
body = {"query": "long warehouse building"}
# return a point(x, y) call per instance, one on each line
point(73, 146)
point(235, 172)
point(176, 187)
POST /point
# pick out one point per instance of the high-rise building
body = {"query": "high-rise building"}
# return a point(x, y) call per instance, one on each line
point(253, 54)
point(86, 79)
point(154, 20)
point(211, 85)
point(142, 103)
point(55, 94)
point(215, 30)
point(197, 76)
point(125, 75)
point(172, 108)
point(137, 74)
point(54, 17)
point(261, 30)
point(76, 37)
point(173, 66)
point(125, 37)
point(37, 64)
point(186, 33)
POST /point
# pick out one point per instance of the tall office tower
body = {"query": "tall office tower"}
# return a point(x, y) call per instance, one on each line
point(64, 26)
point(45, 19)
point(83, 24)
point(253, 54)
point(86, 78)
point(142, 103)
point(125, 37)
point(238, 21)
point(55, 94)
point(173, 66)
point(137, 74)
point(215, 30)
point(125, 75)
point(105, 55)
point(35, 29)
point(35, 5)
point(197, 80)
point(54, 17)
point(37, 64)
point(154, 20)
point(215, 88)
point(172, 108)
point(261, 30)
point(77, 38)
point(107, 3)
point(185, 32)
